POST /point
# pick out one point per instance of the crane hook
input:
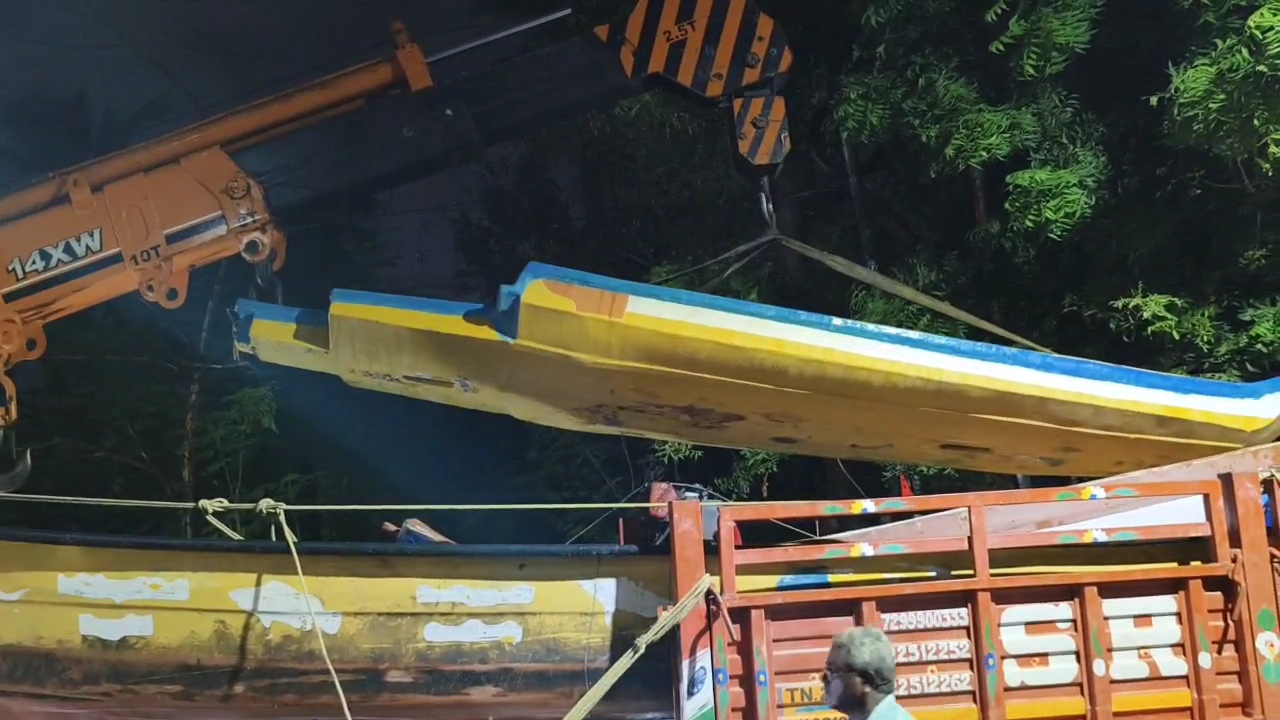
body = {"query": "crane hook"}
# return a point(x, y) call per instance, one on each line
point(266, 284)
point(17, 477)
point(766, 205)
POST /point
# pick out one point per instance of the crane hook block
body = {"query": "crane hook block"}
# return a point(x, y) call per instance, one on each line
point(737, 55)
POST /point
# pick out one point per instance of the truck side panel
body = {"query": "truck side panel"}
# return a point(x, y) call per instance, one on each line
point(1148, 655)
point(979, 637)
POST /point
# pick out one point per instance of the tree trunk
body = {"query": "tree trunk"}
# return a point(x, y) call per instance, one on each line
point(193, 403)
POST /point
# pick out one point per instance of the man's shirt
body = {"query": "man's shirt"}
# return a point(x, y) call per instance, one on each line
point(889, 709)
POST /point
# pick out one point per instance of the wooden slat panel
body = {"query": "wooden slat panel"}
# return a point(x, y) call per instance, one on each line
point(1204, 684)
point(1098, 644)
point(843, 551)
point(933, 503)
point(1098, 537)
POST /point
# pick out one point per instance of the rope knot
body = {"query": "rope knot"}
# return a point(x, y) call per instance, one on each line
point(214, 505)
point(267, 506)
point(211, 507)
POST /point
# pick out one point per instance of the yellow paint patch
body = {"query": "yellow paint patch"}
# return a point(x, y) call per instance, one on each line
point(771, 583)
point(962, 712)
point(415, 320)
point(1151, 701)
point(1047, 708)
point(1122, 702)
point(284, 344)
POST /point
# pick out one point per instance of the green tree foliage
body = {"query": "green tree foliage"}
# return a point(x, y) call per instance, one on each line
point(1093, 175)
point(1219, 96)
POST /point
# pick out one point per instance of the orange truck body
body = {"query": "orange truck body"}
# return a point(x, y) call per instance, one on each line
point(981, 635)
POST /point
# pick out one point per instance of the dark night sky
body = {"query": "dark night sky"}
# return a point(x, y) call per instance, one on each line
point(183, 60)
point(204, 56)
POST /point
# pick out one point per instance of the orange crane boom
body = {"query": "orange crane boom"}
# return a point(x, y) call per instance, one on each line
point(143, 218)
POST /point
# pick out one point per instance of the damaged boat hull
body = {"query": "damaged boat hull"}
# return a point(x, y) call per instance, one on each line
point(132, 628)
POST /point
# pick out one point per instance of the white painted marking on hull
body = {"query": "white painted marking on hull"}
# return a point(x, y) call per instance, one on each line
point(14, 596)
point(114, 629)
point(476, 597)
point(277, 602)
point(100, 587)
point(473, 631)
point(623, 594)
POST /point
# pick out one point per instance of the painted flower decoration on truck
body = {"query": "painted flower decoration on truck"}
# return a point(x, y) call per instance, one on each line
point(1268, 645)
point(1095, 536)
point(862, 550)
point(865, 506)
point(1095, 492)
point(1203, 658)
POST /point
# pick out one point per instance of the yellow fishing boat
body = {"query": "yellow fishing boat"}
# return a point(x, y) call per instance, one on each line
point(124, 627)
point(578, 351)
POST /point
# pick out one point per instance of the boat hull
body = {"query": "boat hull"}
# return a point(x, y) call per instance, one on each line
point(581, 352)
point(130, 629)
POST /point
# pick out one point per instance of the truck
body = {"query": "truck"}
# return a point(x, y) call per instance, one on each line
point(1086, 601)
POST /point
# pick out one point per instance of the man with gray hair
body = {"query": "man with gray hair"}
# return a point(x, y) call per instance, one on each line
point(860, 675)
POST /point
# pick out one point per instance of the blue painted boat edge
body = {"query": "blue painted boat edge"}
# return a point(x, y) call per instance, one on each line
point(246, 312)
point(968, 349)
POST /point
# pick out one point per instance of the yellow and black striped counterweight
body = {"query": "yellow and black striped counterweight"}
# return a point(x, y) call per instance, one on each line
point(721, 50)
